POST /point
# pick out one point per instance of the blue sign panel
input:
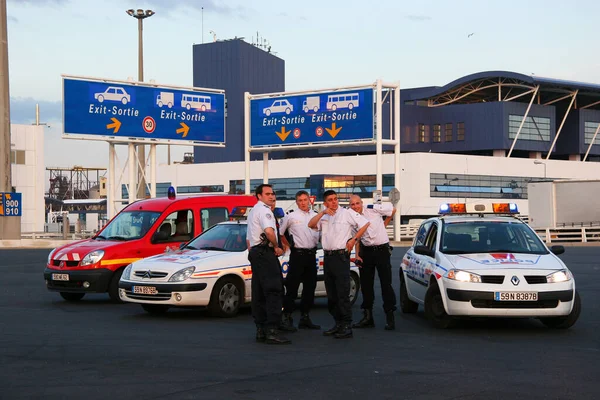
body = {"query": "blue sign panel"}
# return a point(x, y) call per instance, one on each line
point(10, 204)
point(130, 111)
point(312, 118)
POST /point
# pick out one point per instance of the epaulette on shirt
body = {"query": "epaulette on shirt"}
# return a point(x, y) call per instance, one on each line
point(291, 211)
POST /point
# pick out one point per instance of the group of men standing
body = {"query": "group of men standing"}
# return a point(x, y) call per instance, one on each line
point(340, 230)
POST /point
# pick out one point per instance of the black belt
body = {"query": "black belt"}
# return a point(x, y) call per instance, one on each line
point(304, 251)
point(384, 246)
point(335, 252)
point(261, 246)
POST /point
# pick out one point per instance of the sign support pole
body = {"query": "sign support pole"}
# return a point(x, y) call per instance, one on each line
point(112, 185)
point(266, 167)
point(397, 168)
point(247, 141)
point(378, 132)
point(132, 191)
point(152, 171)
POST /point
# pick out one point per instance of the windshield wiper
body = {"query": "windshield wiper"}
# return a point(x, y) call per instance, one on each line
point(212, 248)
point(117, 238)
point(457, 252)
point(100, 237)
point(189, 247)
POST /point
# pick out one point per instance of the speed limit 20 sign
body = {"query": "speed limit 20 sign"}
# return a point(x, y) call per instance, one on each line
point(149, 124)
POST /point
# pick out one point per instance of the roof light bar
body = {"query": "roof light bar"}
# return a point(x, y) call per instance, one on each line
point(485, 208)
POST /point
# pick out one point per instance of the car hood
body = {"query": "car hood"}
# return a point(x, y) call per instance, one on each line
point(488, 261)
point(201, 259)
point(78, 250)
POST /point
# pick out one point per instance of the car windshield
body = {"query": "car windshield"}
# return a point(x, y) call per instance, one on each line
point(462, 237)
point(221, 237)
point(129, 225)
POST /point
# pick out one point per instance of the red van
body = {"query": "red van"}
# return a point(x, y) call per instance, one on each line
point(142, 229)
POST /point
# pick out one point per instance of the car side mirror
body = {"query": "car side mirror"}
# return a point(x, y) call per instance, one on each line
point(557, 249)
point(424, 251)
point(160, 237)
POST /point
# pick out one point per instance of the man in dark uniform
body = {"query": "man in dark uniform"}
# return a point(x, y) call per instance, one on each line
point(303, 263)
point(336, 225)
point(267, 282)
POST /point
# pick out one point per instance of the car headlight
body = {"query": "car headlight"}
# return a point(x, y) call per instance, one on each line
point(463, 276)
point(559, 276)
point(182, 274)
point(92, 258)
point(50, 255)
point(127, 272)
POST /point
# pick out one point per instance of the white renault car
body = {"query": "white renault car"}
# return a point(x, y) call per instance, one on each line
point(211, 270)
point(480, 260)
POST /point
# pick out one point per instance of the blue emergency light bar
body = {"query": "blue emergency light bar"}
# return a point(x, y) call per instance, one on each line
point(487, 208)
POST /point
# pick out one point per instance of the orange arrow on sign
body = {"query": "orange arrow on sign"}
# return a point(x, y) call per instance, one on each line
point(283, 134)
point(333, 131)
point(7, 196)
point(184, 129)
point(116, 124)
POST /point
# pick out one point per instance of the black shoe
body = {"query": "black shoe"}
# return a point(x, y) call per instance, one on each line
point(345, 332)
point(260, 335)
point(274, 337)
point(287, 323)
point(390, 322)
point(306, 323)
point(366, 321)
point(332, 331)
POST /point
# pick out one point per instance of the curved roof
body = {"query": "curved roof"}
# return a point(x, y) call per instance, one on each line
point(480, 81)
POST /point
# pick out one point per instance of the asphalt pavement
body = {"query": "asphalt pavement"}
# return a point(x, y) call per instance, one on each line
point(94, 349)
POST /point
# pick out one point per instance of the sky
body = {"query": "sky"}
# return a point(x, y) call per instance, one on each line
point(324, 44)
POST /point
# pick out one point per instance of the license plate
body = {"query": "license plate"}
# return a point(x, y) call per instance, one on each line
point(145, 290)
point(516, 296)
point(60, 277)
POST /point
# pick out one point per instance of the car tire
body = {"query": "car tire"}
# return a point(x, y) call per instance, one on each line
point(113, 286)
point(72, 297)
point(354, 287)
point(124, 100)
point(333, 107)
point(567, 321)
point(226, 298)
point(268, 112)
point(155, 309)
point(350, 106)
point(288, 111)
point(406, 304)
point(434, 308)
point(100, 99)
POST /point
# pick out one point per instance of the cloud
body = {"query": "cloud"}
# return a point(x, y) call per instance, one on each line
point(22, 110)
point(209, 6)
point(418, 18)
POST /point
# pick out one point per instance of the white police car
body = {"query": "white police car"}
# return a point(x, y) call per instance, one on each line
point(211, 270)
point(472, 261)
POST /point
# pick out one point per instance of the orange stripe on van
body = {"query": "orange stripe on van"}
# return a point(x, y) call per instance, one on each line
point(119, 261)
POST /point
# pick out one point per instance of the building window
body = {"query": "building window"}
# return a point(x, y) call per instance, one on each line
point(437, 133)
point(479, 186)
point(284, 188)
point(448, 132)
point(17, 157)
point(460, 131)
point(201, 189)
point(161, 190)
point(361, 185)
point(534, 128)
point(423, 133)
point(590, 130)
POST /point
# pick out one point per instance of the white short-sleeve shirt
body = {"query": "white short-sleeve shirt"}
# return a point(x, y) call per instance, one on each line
point(376, 233)
point(337, 229)
point(260, 218)
point(296, 223)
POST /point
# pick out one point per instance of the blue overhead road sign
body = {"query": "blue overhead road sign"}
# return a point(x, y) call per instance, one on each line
point(10, 205)
point(312, 118)
point(119, 110)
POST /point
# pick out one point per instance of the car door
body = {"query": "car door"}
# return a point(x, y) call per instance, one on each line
point(427, 263)
point(414, 284)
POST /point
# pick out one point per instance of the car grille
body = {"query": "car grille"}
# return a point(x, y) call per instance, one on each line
point(56, 263)
point(535, 279)
point(496, 279)
point(514, 304)
point(150, 274)
point(157, 297)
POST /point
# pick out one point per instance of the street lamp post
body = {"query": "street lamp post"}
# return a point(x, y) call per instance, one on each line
point(140, 15)
point(538, 162)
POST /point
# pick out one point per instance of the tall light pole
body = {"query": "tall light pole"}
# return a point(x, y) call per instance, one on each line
point(538, 162)
point(140, 15)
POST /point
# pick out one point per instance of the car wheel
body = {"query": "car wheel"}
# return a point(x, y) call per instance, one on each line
point(354, 287)
point(406, 304)
point(226, 297)
point(113, 286)
point(124, 100)
point(72, 296)
point(315, 109)
point(305, 109)
point(100, 99)
point(170, 105)
point(155, 309)
point(203, 108)
point(160, 104)
point(268, 112)
point(188, 106)
point(288, 111)
point(566, 321)
point(434, 308)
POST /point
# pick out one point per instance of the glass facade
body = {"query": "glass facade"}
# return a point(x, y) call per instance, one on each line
point(423, 133)
point(460, 131)
point(589, 131)
point(479, 186)
point(201, 189)
point(448, 132)
point(362, 185)
point(285, 188)
point(437, 133)
point(534, 128)
point(161, 190)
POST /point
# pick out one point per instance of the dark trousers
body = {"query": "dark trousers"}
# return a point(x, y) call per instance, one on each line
point(377, 259)
point(337, 283)
point(302, 269)
point(267, 287)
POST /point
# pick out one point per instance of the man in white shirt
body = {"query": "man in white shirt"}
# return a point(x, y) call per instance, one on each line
point(374, 252)
point(267, 282)
point(302, 265)
point(336, 225)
